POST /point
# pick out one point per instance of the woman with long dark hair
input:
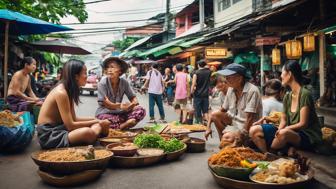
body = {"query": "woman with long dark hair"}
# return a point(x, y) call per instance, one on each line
point(299, 126)
point(58, 125)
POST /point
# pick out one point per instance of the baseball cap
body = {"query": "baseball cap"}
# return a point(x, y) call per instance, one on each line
point(234, 69)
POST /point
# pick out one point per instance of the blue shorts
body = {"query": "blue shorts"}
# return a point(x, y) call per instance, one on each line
point(269, 134)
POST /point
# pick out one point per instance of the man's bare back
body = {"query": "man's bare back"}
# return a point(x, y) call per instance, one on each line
point(49, 113)
point(19, 83)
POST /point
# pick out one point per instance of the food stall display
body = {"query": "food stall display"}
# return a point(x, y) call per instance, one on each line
point(71, 166)
point(240, 167)
point(16, 131)
point(150, 149)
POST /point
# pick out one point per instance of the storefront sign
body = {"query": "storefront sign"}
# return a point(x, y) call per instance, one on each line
point(215, 52)
point(261, 41)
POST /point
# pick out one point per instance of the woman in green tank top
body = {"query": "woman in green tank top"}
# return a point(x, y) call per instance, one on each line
point(299, 125)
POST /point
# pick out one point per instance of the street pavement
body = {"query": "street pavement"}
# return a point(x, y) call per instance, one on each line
point(191, 171)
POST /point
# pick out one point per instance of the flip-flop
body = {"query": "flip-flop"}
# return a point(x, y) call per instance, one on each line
point(162, 121)
point(151, 121)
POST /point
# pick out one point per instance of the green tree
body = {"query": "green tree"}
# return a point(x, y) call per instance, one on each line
point(48, 10)
point(123, 44)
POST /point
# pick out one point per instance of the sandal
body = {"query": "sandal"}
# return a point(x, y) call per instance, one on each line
point(162, 121)
point(151, 121)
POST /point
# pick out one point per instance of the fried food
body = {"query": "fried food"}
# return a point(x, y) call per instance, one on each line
point(274, 117)
point(328, 134)
point(71, 154)
point(284, 173)
point(114, 133)
point(232, 157)
point(287, 169)
point(196, 127)
point(8, 119)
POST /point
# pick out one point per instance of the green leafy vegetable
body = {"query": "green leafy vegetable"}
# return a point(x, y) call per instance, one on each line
point(148, 140)
point(156, 141)
point(172, 145)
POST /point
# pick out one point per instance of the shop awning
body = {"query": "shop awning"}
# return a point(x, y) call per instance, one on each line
point(132, 53)
point(191, 42)
point(162, 49)
point(250, 57)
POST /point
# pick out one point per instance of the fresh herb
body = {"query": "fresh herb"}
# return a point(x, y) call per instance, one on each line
point(263, 165)
point(156, 141)
point(172, 145)
point(148, 140)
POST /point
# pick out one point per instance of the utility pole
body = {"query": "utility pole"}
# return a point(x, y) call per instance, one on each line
point(167, 18)
point(201, 14)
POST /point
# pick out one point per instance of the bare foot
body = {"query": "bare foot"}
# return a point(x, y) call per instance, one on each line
point(128, 124)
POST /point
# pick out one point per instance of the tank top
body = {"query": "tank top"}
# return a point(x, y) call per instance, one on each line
point(202, 83)
point(181, 85)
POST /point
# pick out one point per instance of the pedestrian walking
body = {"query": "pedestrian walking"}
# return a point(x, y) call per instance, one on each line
point(155, 85)
point(182, 91)
point(169, 84)
point(200, 91)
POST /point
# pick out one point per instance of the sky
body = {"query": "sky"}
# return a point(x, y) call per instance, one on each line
point(115, 11)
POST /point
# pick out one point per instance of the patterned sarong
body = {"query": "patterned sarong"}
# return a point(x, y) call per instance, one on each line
point(18, 104)
point(138, 114)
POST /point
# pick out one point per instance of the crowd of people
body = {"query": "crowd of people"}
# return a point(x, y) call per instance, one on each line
point(241, 118)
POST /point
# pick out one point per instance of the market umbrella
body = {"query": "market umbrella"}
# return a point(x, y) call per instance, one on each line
point(59, 46)
point(15, 23)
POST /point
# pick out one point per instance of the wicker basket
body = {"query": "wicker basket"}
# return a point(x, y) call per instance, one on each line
point(68, 167)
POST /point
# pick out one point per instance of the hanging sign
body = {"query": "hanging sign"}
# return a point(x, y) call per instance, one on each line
point(215, 52)
point(261, 41)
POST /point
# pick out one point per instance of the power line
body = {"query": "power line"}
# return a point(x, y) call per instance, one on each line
point(133, 11)
point(99, 1)
point(106, 22)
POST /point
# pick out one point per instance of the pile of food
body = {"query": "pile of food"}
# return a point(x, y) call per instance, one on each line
point(8, 119)
point(114, 133)
point(157, 141)
point(329, 136)
point(281, 171)
point(274, 117)
point(125, 146)
point(195, 127)
point(236, 157)
point(73, 154)
point(150, 152)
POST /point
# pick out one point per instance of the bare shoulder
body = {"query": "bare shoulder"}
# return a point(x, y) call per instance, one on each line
point(59, 92)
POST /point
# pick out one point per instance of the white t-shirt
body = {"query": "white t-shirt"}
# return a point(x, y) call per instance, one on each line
point(155, 82)
point(271, 104)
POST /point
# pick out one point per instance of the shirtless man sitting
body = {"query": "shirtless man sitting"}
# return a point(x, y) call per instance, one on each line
point(20, 93)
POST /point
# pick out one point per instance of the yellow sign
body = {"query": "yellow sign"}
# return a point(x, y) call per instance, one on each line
point(215, 52)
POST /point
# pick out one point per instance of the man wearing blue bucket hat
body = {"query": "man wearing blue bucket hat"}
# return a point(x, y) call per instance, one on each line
point(242, 105)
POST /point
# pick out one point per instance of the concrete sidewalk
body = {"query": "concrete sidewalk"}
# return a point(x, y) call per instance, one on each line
point(19, 171)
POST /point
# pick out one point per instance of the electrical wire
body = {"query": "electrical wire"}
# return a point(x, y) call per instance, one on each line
point(115, 22)
point(93, 2)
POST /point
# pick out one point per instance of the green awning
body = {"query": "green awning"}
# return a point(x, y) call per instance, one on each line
point(191, 42)
point(129, 54)
point(250, 57)
point(329, 29)
point(162, 49)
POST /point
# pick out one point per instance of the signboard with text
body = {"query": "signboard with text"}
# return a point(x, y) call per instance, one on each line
point(261, 41)
point(215, 52)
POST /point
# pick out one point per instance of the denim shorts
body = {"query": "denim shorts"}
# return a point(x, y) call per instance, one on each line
point(269, 134)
